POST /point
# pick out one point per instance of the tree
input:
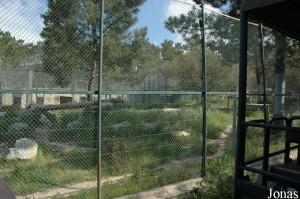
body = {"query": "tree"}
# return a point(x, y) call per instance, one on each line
point(222, 37)
point(228, 6)
point(169, 50)
point(71, 36)
point(146, 56)
point(15, 54)
point(223, 40)
point(11, 51)
point(62, 40)
point(279, 74)
point(281, 44)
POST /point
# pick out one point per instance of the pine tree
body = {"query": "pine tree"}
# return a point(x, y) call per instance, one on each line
point(71, 37)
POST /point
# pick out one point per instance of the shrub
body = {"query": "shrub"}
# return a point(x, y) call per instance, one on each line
point(218, 183)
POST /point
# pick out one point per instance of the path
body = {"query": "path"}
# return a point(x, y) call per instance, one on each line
point(180, 188)
point(74, 188)
point(168, 191)
point(222, 146)
point(198, 160)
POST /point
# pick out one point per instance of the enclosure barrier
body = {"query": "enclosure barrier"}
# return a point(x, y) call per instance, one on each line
point(103, 99)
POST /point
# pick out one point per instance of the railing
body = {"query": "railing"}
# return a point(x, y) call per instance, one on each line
point(267, 175)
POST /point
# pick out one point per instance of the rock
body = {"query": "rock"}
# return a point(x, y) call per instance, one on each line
point(45, 120)
point(3, 145)
point(227, 129)
point(75, 124)
point(42, 135)
point(62, 147)
point(107, 105)
point(121, 125)
point(2, 114)
point(33, 107)
point(170, 109)
point(3, 153)
point(20, 126)
point(149, 126)
point(25, 149)
point(183, 134)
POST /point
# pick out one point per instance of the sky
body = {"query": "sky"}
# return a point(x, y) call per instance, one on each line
point(23, 18)
point(154, 13)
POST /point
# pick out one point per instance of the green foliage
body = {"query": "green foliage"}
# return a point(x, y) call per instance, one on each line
point(10, 55)
point(5, 124)
point(212, 148)
point(219, 182)
point(71, 36)
point(15, 54)
point(169, 51)
point(9, 134)
point(61, 35)
point(128, 141)
point(143, 181)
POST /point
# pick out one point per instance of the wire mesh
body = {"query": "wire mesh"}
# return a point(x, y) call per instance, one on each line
point(152, 131)
point(151, 94)
point(48, 109)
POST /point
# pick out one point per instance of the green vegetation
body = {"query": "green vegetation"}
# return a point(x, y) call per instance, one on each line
point(46, 171)
point(138, 138)
point(219, 182)
point(135, 140)
point(143, 181)
point(8, 134)
point(13, 51)
point(129, 147)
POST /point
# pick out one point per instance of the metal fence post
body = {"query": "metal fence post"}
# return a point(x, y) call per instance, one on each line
point(234, 121)
point(240, 136)
point(29, 88)
point(204, 94)
point(99, 173)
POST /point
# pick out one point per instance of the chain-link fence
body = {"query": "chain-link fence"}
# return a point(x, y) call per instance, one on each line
point(151, 95)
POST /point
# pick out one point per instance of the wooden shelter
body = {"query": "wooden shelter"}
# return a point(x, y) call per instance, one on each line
point(282, 16)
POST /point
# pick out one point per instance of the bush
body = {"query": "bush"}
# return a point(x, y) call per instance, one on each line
point(219, 182)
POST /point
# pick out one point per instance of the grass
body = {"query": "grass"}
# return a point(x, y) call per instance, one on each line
point(45, 172)
point(144, 180)
point(129, 149)
point(219, 182)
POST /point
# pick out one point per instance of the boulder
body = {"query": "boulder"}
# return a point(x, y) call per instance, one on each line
point(42, 135)
point(2, 114)
point(75, 124)
point(183, 134)
point(20, 126)
point(25, 149)
point(3, 153)
point(121, 125)
point(149, 126)
point(107, 105)
point(45, 120)
point(170, 109)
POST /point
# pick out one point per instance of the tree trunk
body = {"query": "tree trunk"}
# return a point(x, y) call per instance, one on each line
point(279, 75)
point(95, 54)
point(259, 88)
